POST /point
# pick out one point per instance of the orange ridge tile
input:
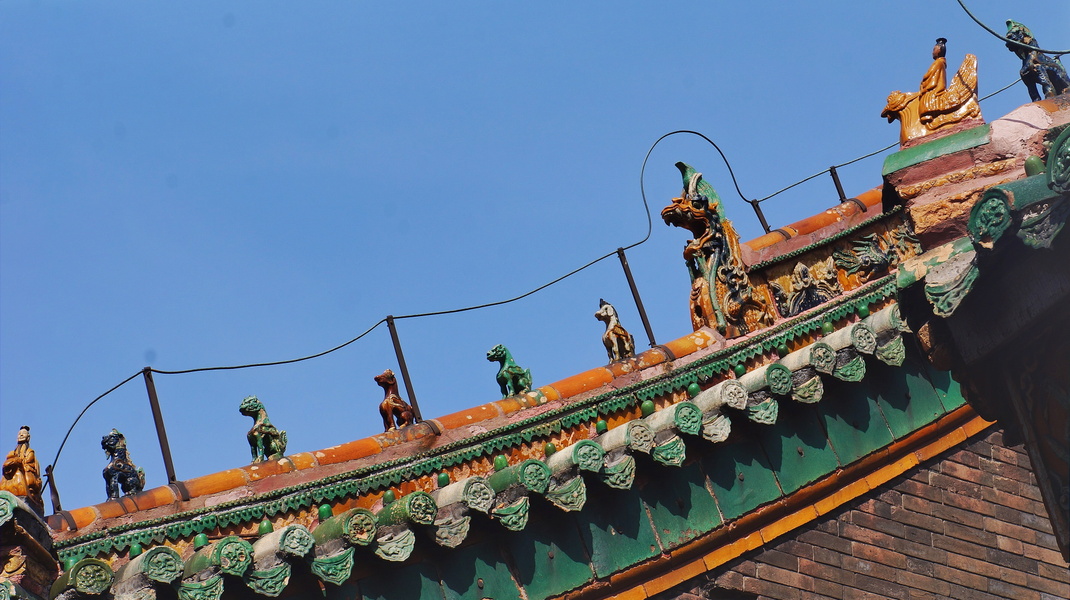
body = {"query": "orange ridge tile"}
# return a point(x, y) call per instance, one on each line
point(347, 451)
point(470, 416)
point(582, 382)
point(216, 482)
point(690, 344)
point(267, 468)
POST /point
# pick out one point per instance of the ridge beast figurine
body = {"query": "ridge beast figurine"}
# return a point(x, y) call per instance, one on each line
point(1037, 68)
point(121, 471)
point(511, 378)
point(619, 343)
point(266, 442)
point(396, 412)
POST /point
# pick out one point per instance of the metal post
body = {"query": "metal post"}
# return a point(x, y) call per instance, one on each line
point(635, 295)
point(836, 180)
point(404, 368)
point(53, 492)
point(761, 216)
point(161, 431)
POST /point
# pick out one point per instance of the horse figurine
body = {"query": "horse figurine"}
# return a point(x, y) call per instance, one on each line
point(1038, 69)
point(619, 343)
point(393, 408)
point(120, 472)
point(511, 378)
point(266, 442)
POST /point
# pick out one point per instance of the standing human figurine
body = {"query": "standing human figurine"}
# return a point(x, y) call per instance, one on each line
point(1037, 68)
point(396, 412)
point(22, 472)
point(618, 342)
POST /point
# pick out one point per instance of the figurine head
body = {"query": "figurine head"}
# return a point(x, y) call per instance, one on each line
point(113, 442)
point(497, 353)
point(605, 311)
point(386, 379)
point(24, 435)
point(250, 406)
point(940, 49)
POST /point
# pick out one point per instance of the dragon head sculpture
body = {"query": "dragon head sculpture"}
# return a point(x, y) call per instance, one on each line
point(251, 406)
point(698, 210)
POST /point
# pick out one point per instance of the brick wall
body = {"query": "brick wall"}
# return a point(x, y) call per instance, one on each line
point(968, 525)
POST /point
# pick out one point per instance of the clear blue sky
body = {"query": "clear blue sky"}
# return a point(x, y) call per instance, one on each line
point(227, 183)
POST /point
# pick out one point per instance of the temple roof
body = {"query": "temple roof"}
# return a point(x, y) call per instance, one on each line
point(810, 396)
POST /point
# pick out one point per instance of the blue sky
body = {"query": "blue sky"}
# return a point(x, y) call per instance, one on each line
point(227, 183)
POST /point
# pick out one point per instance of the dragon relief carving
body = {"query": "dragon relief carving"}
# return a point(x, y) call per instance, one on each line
point(809, 287)
point(875, 254)
point(721, 293)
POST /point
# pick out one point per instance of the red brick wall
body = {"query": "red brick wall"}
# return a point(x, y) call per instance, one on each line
point(969, 525)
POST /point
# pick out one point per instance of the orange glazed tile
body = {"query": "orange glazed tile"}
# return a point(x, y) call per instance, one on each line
point(635, 593)
point(215, 483)
point(689, 344)
point(304, 460)
point(470, 416)
point(620, 368)
point(115, 508)
point(729, 551)
point(936, 448)
point(510, 405)
point(549, 392)
point(675, 576)
point(841, 496)
point(583, 382)
point(347, 451)
point(84, 516)
point(267, 468)
point(888, 472)
point(788, 523)
point(975, 426)
point(160, 496)
point(652, 357)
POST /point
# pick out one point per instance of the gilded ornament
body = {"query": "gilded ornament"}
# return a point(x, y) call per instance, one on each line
point(266, 442)
point(936, 105)
point(22, 472)
point(511, 378)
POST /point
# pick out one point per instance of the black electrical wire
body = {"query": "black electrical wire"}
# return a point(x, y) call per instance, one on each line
point(69, 430)
point(1009, 41)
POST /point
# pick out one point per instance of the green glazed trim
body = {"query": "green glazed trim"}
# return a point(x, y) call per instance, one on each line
point(209, 589)
point(852, 370)
point(334, 570)
point(162, 564)
point(357, 482)
point(893, 353)
point(956, 142)
point(621, 474)
point(570, 496)
point(764, 413)
point(514, 516)
point(450, 532)
point(418, 507)
point(670, 453)
point(7, 506)
point(270, 582)
point(397, 546)
point(824, 241)
point(809, 392)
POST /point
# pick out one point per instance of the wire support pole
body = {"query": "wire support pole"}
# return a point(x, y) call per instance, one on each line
point(161, 430)
point(404, 368)
point(839, 186)
point(636, 297)
point(757, 206)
